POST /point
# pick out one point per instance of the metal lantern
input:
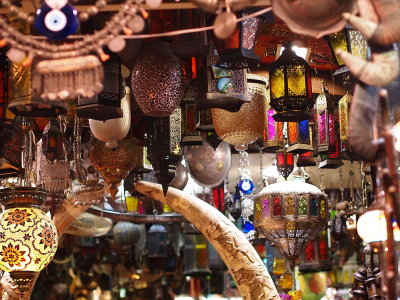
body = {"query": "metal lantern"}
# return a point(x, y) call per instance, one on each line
point(52, 142)
point(306, 160)
point(236, 52)
point(344, 111)
point(28, 237)
point(316, 254)
point(273, 133)
point(190, 117)
point(218, 196)
point(349, 40)
point(126, 234)
point(284, 163)
point(290, 214)
point(325, 119)
point(107, 104)
point(157, 241)
point(10, 157)
point(248, 124)
point(298, 136)
point(290, 87)
point(158, 82)
point(195, 252)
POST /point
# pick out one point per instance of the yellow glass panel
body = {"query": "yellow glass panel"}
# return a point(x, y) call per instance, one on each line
point(290, 207)
point(296, 80)
point(131, 203)
point(277, 82)
point(359, 44)
point(338, 41)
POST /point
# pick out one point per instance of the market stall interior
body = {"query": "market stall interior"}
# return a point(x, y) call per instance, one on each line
point(201, 149)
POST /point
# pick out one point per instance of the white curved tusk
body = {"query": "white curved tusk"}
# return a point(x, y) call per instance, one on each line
point(242, 260)
point(365, 26)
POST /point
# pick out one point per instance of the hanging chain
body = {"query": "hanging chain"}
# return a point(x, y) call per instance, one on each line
point(243, 164)
point(322, 185)
point(341, 185)
point(364, 196)
point(28, 157)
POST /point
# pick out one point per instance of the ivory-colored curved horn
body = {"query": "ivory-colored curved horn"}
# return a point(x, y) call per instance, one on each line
point(246, 267)
point(380, 71)
point(367, 10)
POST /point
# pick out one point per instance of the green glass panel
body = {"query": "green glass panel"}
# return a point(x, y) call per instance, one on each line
point(338, 41)
point(296, 80)
point(277, 82)
point(303, 206)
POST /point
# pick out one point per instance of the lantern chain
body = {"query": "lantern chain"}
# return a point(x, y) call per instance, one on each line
point(364, 196)
point(321, 180)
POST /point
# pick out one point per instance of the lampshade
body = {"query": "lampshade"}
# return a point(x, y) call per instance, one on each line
point(236, 52)
point(349, 40)
point(273, 133)
point(299, 138)
point(284, 163)
point(290, 87)
point(290, 214)
point(28, 237)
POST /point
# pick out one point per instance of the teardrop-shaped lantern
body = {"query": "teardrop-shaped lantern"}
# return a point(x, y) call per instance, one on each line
point(157, 80)
point(113, 130)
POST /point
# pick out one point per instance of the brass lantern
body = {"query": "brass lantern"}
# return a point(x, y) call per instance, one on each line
point(236, 52)
point(285, 163)
point(290, 87)
point(290, 214)
point(273, 133)
point(349, 40)
point(298, 137)
point(28, 237)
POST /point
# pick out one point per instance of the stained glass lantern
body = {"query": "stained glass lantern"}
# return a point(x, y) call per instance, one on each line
point(195, 253)
point(273, 133)
point(316, 254)
point(157, 241)
point(290, 88)
point(306, 160)
point(236, 52)
point(52, 141)
point(158, 82)
point(325, 119)
point(28, 237)
point(290, 214)
point(107, 104)
point(284, 163)
point(298, 136)
point(247, 125)
point(344, 111)
point(349, 40)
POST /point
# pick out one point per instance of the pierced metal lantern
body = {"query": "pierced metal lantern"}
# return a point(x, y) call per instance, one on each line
point(248, 124)
point(349, 40)
point(126, 234)
point(236, 52)
point(325, 119)
point(306, 160)
point(290, 87)
point(158, 82)
point(284, 163)
point(190, 117)
point(299, 137)
point(157, 241)
point(195, 253)
point(273, 133)
point(52, 141)
point(107, 104)
point(290, 214)
point(316, 254)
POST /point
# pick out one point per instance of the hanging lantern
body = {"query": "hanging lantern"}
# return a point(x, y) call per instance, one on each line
point(107, 104)
point(28, 237)
point(236, 52)
point(290, 87)
point(157, 80)
point(114, 164)
point(290, 214)
point(316, 254)
point(195, 252)
point(126, 234)
point(10, 155)
point(52, 141)
point(218, 196)
point(273, 134)
point(325, 118)
point(285, 163)
point(349, 40)
point(248, 124)
point(306, 160)
point(207, 166)
point(190, 117)
point(157, 241)
point(344, 111)
point(113, 130)
point(298, 135)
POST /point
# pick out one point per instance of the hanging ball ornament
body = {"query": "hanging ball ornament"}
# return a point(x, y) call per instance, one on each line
point(225, 85)
point(117, 44)
point(247, 207)
point(15, 55)
point(136, 24)
point(225, 25)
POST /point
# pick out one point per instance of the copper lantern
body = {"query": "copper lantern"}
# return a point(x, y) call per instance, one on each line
point(290, 87)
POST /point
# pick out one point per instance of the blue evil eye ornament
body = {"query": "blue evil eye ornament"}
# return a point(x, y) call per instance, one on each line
point(247, 226)
point(56, 19)
point(246, 186)
point(225, 85)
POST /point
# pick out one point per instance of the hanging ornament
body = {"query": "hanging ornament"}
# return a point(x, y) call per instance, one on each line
point(157, 80)
point(126, 234)
point(285, 163)
point(246, 186)
point(52, 141)
point(247, 208)
point(273, 133)
point(56, 19)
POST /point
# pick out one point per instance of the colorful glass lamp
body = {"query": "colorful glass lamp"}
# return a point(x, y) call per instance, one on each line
point(273, 133)
point(299, 138)
point(290, 88)
point(285, 163)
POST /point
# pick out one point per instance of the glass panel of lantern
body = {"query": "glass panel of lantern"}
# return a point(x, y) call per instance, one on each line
point(349, 40)
point(299, 139)
point(285, 163)
point(325, 119)
point(157, 241)
point(105, 105)
point(316, 254)
point(290, 87)
point(344, 110)
point(195, 252)
point(218, 194)
point(273, 133)
point(236, 52)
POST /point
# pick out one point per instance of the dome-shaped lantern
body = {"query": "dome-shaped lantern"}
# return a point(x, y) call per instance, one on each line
point(126, 234)
point(290, 214)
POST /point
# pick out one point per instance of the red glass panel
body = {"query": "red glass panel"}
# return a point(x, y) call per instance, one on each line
point(309, 252)
point(233, 42)
point(277, 209)
point(332, 132)
point(280, 157)
point(290, 159)
point(323, 251)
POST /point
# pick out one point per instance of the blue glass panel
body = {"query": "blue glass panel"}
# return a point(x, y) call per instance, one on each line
point(314, 207)
point(304, 131)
